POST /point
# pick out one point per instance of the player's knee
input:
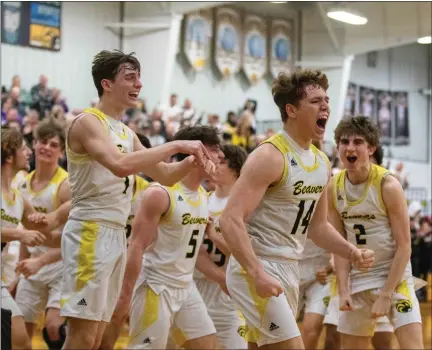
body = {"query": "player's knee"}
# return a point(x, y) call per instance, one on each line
point(54, 335)
point(382, 340)
point(312, 330)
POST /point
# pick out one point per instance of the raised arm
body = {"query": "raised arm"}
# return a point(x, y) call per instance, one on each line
point(89, 134)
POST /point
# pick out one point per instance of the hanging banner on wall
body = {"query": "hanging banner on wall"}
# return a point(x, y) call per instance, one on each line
point(384, 115)
point(198, 28)
point(281, 53)
point(350, 106)
point(401, 118)
point(254, 48)
point(367, 105)
point(227, 50)
point(33, 24)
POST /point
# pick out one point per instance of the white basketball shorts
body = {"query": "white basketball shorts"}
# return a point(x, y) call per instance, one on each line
point(8, 303)
point(314, 297)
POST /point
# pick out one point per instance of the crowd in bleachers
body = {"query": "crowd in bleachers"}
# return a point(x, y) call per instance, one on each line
point(24, 109)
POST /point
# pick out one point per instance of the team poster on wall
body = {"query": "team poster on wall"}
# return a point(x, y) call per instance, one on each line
point(401, 118)
point(281, 48)
point(33, 24)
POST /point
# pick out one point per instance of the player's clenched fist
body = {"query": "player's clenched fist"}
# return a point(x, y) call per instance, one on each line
point(363, 259)
point(267, 286)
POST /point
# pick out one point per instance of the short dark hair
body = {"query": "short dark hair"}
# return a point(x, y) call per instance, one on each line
point(379, 155)
point(358, 125)
point(11, 141)
point(235, 155)
point(106, 65)
point(144, 140)
point(50, 128)
point(208, 135)
point(291, 88)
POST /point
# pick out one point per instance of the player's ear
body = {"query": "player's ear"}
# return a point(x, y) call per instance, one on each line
point(106, 84)
point(290, 110)
point(372, 150)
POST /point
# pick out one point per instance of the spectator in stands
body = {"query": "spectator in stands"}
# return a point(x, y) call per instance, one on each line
point(58, 99)
point(12, 115)
point(243, 135)
point(6, 105)
point(15, 95)
point(173, 113)
point(213, 120)
point(229, 126)
point(30, 123)
point(424, 236)
point(400, 175)
point(189, 112)
point(157, 138)
point(42, 99)
point(57, 112)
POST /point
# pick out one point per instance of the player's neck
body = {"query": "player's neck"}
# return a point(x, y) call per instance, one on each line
point(223, 191)
point(359, 176)
point(192, 181)
point(7, 175)
point(292, 130)
point(45, 171)
point(111, 109)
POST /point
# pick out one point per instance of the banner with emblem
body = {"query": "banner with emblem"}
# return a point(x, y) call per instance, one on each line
point(198, 27)
point(281, 47)
point(401, 118)
point(34, 24)
point(228, 39)
point(254, 48)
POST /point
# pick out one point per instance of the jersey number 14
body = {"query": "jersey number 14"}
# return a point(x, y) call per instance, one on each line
point(304, 219)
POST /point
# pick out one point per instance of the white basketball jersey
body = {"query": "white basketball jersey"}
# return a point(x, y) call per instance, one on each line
point(97, 194)
point(170, 259)
point(216, 206)
point(44, 201)
point(367, 225)
point(312, 259)
point(278, 227)
point(140, 185)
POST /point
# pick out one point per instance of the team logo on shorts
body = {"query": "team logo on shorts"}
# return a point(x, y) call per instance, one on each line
point(404, 306)
point(326, 301)
point(242, 331)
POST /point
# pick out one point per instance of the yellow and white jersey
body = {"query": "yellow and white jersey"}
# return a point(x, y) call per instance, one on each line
point(44, 201)
point(216, 206)
point(312, 258)
point(278, 227)
point(170, 259)
point(367, 225)
point(97, 194)
point(18, 179)
point(12, 211)
point(140, 185)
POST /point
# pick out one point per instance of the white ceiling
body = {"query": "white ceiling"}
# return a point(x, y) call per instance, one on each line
point(389, 24)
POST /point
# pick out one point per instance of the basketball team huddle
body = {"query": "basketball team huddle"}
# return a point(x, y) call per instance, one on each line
point(187, 268)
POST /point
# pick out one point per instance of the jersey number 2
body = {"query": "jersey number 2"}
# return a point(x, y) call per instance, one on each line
point(192, 243)
point(360, 231)
point(305, 219)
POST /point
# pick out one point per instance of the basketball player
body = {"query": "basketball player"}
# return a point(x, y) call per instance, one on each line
point(169, 228)
point(222, 310)
point(46, 188)
point(383, 336)
point(368, 207)
point(103, 154)
point(15, 209)
point(281, 184)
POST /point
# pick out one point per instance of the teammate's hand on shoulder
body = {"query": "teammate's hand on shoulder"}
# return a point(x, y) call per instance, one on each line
point(363, 259)
point(345, 302)
point(32, 238)
point(381, 306)
point(29, 267)
point(267, 286)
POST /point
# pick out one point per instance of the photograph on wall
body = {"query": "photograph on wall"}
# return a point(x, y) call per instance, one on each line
point(401, 118)
point(14, 19)
point(367, 105)
point(198, 28)
point(384, 115)
point(254, 48)
point(228, 40)
point(45, 25)
point(350, 100)
point(281, 47)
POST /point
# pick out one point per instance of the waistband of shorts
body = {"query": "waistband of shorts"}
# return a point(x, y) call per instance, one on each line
point(103, 223)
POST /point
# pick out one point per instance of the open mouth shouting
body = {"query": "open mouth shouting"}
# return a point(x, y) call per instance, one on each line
point(321, 122)
point(351, 159)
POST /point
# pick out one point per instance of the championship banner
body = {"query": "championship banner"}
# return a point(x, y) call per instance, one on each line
point(281, 54)
point(384, 115)
point(401, 118)
point(34, 24)
point(350, 105)
point(254, 48)
point(367, 105)
point(227, 50)
point(45, 21)
point(198, 27)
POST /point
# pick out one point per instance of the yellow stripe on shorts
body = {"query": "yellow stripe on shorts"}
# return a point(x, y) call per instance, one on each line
point(86, 254)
